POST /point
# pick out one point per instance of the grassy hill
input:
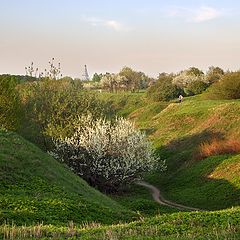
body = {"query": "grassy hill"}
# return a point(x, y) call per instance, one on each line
point(178, 132)
point(36, 188)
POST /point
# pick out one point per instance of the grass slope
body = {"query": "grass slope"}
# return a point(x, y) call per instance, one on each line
point(177, 130)
point(177, 133)
point(36, 188)
point(123, 103)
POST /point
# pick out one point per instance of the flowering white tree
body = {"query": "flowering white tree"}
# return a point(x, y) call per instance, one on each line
point(188, 76)
point(107, 154)
point(114, 82)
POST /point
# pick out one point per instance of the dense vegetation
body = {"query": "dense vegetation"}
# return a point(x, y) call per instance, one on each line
point(107, 154)
point(52, 107)
point(9, 103)
point(227, 88)
point(164, 90)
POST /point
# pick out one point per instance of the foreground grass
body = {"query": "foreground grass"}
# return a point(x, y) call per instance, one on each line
point(36, 188)
point(198, 225)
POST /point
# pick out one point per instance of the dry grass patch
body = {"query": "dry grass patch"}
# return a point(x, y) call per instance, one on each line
point(219, 147)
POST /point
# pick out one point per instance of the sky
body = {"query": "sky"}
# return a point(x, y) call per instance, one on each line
point(152, 36)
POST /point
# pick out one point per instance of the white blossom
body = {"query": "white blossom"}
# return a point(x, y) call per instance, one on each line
point(107, 153)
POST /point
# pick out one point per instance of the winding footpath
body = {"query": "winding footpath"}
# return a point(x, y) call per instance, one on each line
point(156, 194)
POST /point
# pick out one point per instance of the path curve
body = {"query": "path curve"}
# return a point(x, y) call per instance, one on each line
point(156, 194)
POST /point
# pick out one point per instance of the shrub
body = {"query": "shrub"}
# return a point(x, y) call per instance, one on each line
point(106, 154)
point(228, 87)
point(196, 87)
point(218, 147)
point(9, 103)
point(214, 74)
point(51, 107)
point(164, 90)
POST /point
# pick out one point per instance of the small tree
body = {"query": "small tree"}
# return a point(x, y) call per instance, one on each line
point(196, 87)
point(214, 74)
point(164, 90)
point(107, 155)
point(228, 87)
point(188, 76)
point(97, 77)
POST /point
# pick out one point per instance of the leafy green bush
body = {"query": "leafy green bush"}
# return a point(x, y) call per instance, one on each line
point(196, 87)
point(9, 103)
point(52, 106)
point(164, 90)
point(228, 87)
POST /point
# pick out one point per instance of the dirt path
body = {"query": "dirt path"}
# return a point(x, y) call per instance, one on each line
point(156, 194)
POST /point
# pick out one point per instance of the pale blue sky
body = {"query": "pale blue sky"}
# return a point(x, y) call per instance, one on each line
point(150, 35)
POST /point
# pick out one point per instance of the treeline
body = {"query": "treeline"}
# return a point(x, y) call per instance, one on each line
point(219, 84)
point(46, 105)
point(167, 86)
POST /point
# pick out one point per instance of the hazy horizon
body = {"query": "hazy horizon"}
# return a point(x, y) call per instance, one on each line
point(150, 36)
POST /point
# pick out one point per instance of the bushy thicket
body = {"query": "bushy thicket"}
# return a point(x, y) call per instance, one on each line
point(108, 155)
point(228, 87)
point(164, 90)
point(196, 87)
point(52, 106)
point(10, 113)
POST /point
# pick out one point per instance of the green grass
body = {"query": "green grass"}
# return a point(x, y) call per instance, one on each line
point(205, 185)
point(177, 130)
point(36, 188)
point(197, 225)
point(123, 103)
point(40, 189)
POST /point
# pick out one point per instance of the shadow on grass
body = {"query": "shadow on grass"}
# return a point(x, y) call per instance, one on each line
point(187, 180)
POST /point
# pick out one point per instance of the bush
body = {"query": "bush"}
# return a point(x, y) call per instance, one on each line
point(9, 103)
point(228, 87)
point(164, 90)
point(108, 155)
point(196, 87)
point(52, 106)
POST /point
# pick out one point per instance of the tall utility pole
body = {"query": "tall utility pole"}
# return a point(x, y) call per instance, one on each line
point(85, 75)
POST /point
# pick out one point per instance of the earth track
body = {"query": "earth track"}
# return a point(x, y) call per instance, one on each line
point(157, 196)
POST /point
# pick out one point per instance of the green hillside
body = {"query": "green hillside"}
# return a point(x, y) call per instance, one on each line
point(36, 188)
point(177, 131)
